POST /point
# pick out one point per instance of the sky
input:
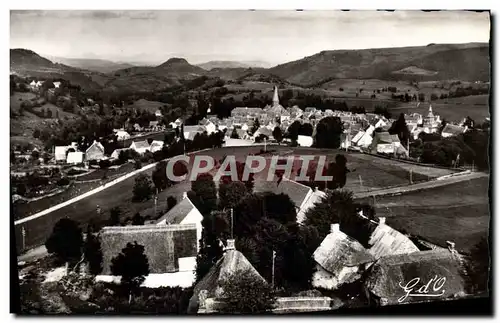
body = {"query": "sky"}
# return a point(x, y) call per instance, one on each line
point(271, 36)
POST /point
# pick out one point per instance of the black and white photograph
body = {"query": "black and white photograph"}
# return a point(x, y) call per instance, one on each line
point(209, 162)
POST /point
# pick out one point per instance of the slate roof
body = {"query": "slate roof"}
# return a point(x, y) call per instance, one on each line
point(385, 241)
point(178, 212)
point(141, 144)
point(385, 276)
point(163, 245)
point(296, 191)
point(452, 129)
point(197, 128)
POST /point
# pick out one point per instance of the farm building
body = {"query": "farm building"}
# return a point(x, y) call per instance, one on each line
point(169, 248)
point(451, 130)
point(156, 145)
point(209, 287)
point(305, 141)
point(116, 153)
point(385, 143)
point(441, 268)
point(95, 151)
point(122, 135)
point(183, 212)
point(302, 196)
point(342, 258)
point(75, 157)
point(191, 131)
point(140, 146)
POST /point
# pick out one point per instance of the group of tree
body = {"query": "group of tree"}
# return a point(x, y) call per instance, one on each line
point(328, 133)
point(336, 169)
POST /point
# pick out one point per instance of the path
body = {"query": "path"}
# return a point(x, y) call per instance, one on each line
point(440, 181)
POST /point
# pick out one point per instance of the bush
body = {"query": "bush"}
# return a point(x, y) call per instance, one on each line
point(63, 182)
point(137, 164)
point(104, 164)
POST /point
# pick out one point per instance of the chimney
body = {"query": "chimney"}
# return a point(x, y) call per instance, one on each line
point(334, 227)
point(316, 189)
point(381, 220)
point(230, 245)
point(451, 245)
point(184, 195)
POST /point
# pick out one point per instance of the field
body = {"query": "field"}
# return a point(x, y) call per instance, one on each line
point(375, 173)
point(454, 109)
point(457, 212)
point(142, 104)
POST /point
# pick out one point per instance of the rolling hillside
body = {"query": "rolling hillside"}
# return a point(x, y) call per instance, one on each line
point(95, 65)
point(232, 64)
point(433, 62)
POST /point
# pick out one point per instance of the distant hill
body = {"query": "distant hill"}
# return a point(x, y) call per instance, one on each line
point(443, 61)
point(97, 65)
point(27, 63)
point(233, 64)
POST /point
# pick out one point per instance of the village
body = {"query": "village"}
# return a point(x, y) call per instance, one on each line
point(348, 255)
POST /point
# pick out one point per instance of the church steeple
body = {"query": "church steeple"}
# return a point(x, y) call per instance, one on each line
point(276, 100)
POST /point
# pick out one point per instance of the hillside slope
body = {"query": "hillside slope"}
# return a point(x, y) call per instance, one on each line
point(443, 61)
point(96, 65)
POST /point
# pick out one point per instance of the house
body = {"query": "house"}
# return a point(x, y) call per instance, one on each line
point(209, 287)
point(158, 114)
point(60, 153)
point(343, 257)
point(364, 137)
point(140, 146)
point(451, 130)
point(209, 126)
point(122, 135)
point(171, 251)
point(156, 145)
point(75, 157)
point(246, 112)
point(305, 141)
point(345, 140)
point(442, 269)
point(340, 260)
point(95, 151)
point(309, 202)
point(231, 142)
point(116, 153)
point(191, 131)
point(137, 127)
point(183, 212)
point(57, 84)
point(385, 143)
point(302, 196)
point(263, 131)
point(154, 126)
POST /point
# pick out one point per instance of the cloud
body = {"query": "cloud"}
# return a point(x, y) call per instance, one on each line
point(86, 14)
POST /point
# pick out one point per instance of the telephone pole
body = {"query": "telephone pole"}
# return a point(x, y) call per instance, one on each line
point(272, 278)
point(23, 233)
point(156, 201)
point(231, 223)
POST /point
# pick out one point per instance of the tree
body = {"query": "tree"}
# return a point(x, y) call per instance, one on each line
point(132, 265)
point(244, 293)
point(137, 219)
point(205, 193)
point(400, 128)
point(171, 202)
point(293, 130)
point(478, 268)
point(332, 208)
point(142, 190)
point(231, 194)
point(137, 164)
point(328, 132)
point(234, 134)
point(277, 134)
point(36, 134)
point(421, 97)
point(306, 129)
point(255, 127)
point(93, 252)
point(159, 176)
point(114, 216)
point(66, 240)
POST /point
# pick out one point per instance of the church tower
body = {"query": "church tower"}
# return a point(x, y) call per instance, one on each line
point(276, 100)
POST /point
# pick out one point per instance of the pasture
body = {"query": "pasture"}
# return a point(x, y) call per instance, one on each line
point(451, 109)
point(375, 172)
point(457, 212)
